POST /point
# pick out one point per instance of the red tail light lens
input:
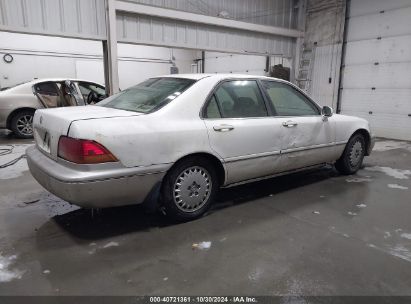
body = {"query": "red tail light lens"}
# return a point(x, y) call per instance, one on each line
point(82, 151)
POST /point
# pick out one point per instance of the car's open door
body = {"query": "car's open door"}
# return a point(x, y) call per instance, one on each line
point(74, 92)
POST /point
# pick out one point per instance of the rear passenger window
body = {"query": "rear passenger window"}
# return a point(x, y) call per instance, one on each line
point(212, 109)
point(236, 99)
point(46, 88)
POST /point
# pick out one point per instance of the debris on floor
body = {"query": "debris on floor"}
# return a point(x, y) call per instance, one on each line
point(111, 244)
point(202, 245)
point(6, 273)
point(388, 145)
point(316, 212)
point(401, 252)
point(361, 205)
point(396, 173)
point(358, 180)
point(406, 235)
point(396, 186)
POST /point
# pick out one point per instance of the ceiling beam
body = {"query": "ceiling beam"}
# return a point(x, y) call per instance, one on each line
point(129, 7)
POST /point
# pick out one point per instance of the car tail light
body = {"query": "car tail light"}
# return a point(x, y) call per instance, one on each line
point(82, 151)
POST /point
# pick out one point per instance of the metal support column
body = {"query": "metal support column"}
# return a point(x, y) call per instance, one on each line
point(300, 23)
point(111, 60)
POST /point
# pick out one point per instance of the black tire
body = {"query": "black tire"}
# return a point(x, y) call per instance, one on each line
point(189, 189)
point(351, 160)
point(22, 124)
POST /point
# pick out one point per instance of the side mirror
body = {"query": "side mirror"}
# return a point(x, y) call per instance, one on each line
point(327, 111)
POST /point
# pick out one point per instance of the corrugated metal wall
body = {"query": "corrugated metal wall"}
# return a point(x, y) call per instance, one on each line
point(86, 19)
point(149, 30)
point(376, 76)
point(267, 12)
point(72, 18)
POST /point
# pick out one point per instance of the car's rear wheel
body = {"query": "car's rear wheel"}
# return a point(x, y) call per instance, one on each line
point(22, 124)
point(189, 189)
point(351, 160)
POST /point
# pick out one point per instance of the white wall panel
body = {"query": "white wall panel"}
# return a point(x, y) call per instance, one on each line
point(232, 63)
point(376, 81)
point(241, 64)
point(382, 101)
point(390, 23)
point(38, 56)
point(366, 7)
point(387, 125)
point(382, 76)
point(90, 69)
point(392, 49)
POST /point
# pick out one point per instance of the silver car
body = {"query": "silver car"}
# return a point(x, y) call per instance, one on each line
point(18, 104)
point(180, 138)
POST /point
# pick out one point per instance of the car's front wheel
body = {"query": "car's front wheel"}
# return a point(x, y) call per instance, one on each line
point(22, 124)
point(189, 189)
point(351, 160)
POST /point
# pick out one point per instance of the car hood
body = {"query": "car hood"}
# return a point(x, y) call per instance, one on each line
point(50, 124)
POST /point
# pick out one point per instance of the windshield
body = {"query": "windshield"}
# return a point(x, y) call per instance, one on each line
point(149, 95)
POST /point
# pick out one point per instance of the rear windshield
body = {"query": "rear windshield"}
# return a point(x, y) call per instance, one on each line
point(149, 95)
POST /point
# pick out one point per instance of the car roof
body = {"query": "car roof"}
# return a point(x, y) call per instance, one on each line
point(34, 81)
point(25, 88)
point(215, 76)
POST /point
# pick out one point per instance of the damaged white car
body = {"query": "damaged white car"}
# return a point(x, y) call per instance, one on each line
point(184, 137)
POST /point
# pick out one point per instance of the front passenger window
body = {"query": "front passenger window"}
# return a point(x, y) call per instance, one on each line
point(287, 101)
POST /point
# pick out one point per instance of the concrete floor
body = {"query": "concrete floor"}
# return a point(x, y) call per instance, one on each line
point(312, 233)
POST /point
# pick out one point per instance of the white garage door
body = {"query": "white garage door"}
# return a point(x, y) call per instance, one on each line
point(376, 81)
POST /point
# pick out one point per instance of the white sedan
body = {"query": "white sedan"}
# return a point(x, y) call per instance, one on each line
point(180, 138)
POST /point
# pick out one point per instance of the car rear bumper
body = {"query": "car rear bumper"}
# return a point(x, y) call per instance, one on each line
point(107, 186)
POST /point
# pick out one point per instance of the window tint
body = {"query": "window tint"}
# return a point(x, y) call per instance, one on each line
point(287, 101)
point(239, 98)
point(149, 95)
point(46, 88)
point(87, 87)
point(48, 93)
point(212, 109)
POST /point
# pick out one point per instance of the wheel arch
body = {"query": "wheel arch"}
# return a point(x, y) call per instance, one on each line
point(14, 112)
point(367, 137)
point(218, 165)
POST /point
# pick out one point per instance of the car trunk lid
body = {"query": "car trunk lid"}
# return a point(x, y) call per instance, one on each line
point(50, 124)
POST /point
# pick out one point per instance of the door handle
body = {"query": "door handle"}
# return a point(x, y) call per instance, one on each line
point(289, 124)
point(223, 128)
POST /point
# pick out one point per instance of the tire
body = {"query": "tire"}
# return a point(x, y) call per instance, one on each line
point(351, 160)
point(22, 124)
point(189, 189)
